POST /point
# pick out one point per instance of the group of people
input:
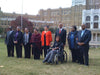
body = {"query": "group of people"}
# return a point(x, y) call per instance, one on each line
point(78, 43)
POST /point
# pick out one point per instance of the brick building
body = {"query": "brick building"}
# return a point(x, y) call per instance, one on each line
point(6, 18)
point(68, 16)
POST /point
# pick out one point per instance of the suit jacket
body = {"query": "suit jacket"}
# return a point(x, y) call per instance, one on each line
point(58, 44)
point(69, 41)
point(19, 37)
point(9, 38)
point(62, 35)
point(85, 38)
point(28, 38)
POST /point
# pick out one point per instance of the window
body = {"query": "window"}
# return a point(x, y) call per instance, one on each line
point(90, 2)
point(98, 37)
point(96, 18)
point(95, 25)
point(88, 18)
point(87, 25)
point(94, 37)
point(45, 13)
point(8, 22)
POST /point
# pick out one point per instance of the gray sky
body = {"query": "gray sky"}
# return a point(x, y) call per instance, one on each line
point(32, 6)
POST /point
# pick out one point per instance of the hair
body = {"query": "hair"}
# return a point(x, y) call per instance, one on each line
point(26, 28)
point(46, 26)
point(74, 27)
point(84, 24)
point(19, 27)
point(60, 24)
point(10, 27)
point(36, 29)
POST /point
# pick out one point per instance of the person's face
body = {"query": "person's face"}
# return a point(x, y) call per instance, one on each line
point(35, 31)
point(72, 29)
point(83, 27)
point(18, 29)
point(45, 28)
point(57, 39)
point(26, 30)
point(60, 25)
point(9, 29)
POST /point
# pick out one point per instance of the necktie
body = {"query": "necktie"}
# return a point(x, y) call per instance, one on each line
point(27, 38)
point(16, 36)
point(59, 31)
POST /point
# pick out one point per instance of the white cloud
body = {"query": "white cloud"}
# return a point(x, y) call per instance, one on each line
point(32, 6)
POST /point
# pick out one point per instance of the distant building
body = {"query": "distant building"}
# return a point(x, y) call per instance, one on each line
point(6, 18)
point(91, 17)
point(92, 4)
point(78, 2)
point(57, 15)
point(81, 11)
point(67, 16)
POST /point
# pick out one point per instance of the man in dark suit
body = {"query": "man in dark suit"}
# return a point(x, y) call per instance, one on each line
point(26, 43)
point(62, 33)
point(18, 40)
point(9, 42)
point(84, 37)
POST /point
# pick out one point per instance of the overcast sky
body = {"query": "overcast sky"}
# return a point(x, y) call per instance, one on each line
point(32, 6)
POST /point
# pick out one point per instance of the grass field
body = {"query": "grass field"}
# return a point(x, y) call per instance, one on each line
point(14, 66)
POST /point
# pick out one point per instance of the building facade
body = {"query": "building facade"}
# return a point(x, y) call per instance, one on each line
point(92, 19)
point(56, 15)
point(92, 4)
point(6, 18)
point(78, 2)
point(68, 16)
point(81, 11)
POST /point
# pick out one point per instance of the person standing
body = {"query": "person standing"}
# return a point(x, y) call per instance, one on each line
point(26, 43)
point(46, 39)
point(36, 44)
point(62, 33)
point(72, 36)
point(9, 42)
point(84, 37)
point(18, 40)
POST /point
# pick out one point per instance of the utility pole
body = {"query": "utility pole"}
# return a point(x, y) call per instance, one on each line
point(22, 17)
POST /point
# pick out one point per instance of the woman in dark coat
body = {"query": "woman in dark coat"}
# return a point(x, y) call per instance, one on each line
point(72, 37)
point(36, 44)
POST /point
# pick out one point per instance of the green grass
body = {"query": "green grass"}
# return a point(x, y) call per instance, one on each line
point(14, 66)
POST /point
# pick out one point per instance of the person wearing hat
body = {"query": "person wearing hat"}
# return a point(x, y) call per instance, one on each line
point(72, 36)
point(9, 42)
point(46, 39)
